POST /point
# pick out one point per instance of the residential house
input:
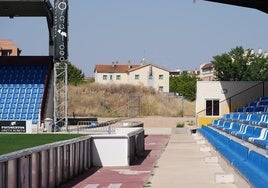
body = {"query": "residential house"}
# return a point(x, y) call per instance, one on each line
point(143, 74)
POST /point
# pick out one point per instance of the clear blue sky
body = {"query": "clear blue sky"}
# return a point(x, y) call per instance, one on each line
point(171, 34)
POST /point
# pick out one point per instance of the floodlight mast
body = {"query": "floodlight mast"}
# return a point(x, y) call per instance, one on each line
point(61, 63)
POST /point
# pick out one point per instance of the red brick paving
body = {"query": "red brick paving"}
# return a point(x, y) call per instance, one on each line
point(134, 176)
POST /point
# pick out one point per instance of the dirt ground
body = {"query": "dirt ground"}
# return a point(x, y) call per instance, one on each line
point(159, 121)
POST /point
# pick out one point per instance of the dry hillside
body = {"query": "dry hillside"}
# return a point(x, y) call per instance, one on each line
point(110, 100)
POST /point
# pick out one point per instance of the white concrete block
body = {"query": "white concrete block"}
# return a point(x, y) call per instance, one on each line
point(213, 159)
point(224, 178)
point(195, 134)
point(205, 149)
point(115, 185)
point(201, 141)
point(91, 186)
point(198, 137)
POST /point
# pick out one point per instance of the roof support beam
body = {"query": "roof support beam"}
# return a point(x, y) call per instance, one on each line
point(261, 5)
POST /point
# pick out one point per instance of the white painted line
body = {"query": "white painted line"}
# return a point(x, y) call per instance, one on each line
point(115, 185)
point(92, 186)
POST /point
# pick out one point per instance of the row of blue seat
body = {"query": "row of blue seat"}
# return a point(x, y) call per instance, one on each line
point(14, 86)
point(260, 119)
point(19, 75)
point(24, 67)
point(260, 108)
point(259, 105)
point(24, 116)
point(250, 163)
point(253, 134)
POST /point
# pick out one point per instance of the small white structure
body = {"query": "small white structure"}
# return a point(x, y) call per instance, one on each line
point(116, 149)
point(216, 98)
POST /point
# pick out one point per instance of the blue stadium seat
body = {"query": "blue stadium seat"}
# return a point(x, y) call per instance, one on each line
point(4, 116)
point(242, 128)
point(255, 133)
point(23, 116)
point(259, 136)
point(263, 143)
point(235, 127)
point(29, 116)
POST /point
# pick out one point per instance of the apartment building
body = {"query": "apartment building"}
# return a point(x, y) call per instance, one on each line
point(207, 72)
point(7, 48)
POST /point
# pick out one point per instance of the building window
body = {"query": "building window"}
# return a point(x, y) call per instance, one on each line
point(212, 107)
point(104, 77)
point(161, 77)
point(150, 73)
point(161, 88)
point(6, 52)
point(137, 77)
point(111, 77)
point(118, 77)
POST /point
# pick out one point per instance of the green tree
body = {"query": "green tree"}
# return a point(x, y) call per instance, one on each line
point(259, 69)
point(75, 75)
point(240, 65)
point(185, 85)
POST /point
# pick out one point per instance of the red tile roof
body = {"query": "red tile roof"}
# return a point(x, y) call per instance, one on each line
point(207, 66)
point(114, 68)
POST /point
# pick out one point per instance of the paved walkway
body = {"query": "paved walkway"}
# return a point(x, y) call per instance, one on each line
point(133, 176)
point(189, 161)
point(173, 158)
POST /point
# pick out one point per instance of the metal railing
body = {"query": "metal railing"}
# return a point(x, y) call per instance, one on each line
point(45, 166)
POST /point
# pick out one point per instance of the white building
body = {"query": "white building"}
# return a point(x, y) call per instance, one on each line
point(145, 74)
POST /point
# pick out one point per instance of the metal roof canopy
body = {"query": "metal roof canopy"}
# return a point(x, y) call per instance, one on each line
point(29, 8)
point(261, 5)
point(12, 8)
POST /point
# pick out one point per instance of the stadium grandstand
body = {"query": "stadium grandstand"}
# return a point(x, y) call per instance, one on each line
point(30, 88)
point(24, 83)
point(242, 136)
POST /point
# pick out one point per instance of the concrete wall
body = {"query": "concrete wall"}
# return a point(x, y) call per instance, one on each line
point(231, 95)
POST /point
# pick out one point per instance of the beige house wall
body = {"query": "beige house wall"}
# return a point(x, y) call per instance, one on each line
point(143, 78)
point(155, 82)
point(232, 95)
point(111, 78)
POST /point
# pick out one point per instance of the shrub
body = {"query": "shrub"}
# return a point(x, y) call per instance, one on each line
point(112, 100)
point(180, 125)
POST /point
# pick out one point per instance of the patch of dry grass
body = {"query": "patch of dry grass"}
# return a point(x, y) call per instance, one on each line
point(112, 100)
